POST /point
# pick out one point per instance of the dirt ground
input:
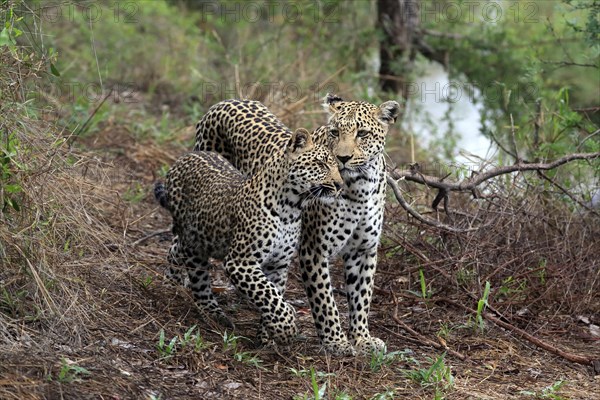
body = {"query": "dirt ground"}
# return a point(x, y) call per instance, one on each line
point(111, 349)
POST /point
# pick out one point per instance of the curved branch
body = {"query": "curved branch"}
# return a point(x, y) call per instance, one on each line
point(476, 179)
point(469, 184)
point(418, 216)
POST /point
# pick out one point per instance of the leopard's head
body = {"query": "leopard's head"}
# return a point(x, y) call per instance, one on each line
point(314, 171)
point(357, 131)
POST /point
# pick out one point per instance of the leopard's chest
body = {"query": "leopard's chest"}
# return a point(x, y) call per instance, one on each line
point(285, 243)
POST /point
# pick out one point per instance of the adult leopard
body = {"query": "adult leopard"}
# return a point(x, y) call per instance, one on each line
point(246, 133)
point(252, 224)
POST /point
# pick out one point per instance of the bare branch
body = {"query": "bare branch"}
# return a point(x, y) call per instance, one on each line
point(471, 183)
point(417, 215)
point(514, 141)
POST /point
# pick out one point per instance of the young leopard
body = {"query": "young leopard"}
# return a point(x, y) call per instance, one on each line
point(252, 224)
point(246, 132)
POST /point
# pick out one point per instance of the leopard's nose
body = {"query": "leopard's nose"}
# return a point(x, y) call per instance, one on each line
point(344, 159)
point(338, 186)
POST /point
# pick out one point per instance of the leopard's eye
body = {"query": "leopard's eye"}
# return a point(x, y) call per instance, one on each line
point(334, 132)
point(362, 133)
point(322, 163)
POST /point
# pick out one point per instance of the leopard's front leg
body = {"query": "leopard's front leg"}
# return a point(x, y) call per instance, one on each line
point(314, 266)
point(277, 315)
point(360, 266)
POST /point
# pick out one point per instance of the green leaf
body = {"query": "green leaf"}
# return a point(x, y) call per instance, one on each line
point(12, 188)
point(5, 39)
point(54, 70)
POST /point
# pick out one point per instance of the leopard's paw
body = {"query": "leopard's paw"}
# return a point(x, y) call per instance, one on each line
point(281, 326)
point(338, 347)
point(368, 345)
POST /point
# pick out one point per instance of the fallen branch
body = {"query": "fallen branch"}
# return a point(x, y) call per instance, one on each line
point(576, 358)
point(423, 339)
point(150, 236)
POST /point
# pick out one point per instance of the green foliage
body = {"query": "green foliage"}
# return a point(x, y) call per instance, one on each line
point(548, 392)
point(135, 194)
point(437, 376)
point(387, 395)
point(445, 330)
point(11, 303)
point(191, 340)
point(231, 342)
point(9, 167)
point(481, 304)
point(381, 358)
point(69, 372)
point(511, 286)
point(166, 350)
point(318, 391)
point(424, 293)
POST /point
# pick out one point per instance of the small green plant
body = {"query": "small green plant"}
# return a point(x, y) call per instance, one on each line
point(199, 342)
point(135, 194)
point(8, 164)
point(166, 350)
point(12, 303)
point(248, 358)
point(342, 396)
point(230, 341)
point(438, 375)
point(542, 271)
point(465, 276)
point(300, 373)
point(191, 339)
point(69, 372)
point(188, 336)
point(424, 293)
point(548, 392)
point(387, 395)
point(510, 286)
point(481, 304)
point(147, 282)
point(445, 330)
point(318, 391)
point(381, 358)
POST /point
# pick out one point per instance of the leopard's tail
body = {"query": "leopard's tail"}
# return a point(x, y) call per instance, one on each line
point(161, 194)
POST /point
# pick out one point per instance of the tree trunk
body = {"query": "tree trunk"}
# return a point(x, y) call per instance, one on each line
point(399, 22)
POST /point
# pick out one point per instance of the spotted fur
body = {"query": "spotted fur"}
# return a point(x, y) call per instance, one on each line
point(252, 224)
point(245, 132)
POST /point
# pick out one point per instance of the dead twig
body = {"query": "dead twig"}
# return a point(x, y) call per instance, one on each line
point(423, 339)
point(150, 236)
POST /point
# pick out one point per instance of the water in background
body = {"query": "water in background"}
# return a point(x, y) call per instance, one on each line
point(435, 98)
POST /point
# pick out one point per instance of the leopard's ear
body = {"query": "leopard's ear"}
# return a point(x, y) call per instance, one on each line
point(388, 112)
point(331, 103)
point(300, 141)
